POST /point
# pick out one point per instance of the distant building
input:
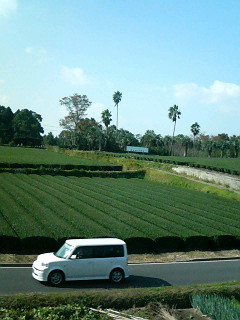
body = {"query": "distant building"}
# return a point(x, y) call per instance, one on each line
point(137, 149)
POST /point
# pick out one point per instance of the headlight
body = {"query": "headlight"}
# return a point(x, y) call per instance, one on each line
point(44, 264)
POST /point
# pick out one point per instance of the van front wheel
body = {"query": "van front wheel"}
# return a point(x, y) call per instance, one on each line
point(56, 277)
point(117, 275)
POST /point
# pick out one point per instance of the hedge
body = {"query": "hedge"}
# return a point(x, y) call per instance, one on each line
point(77, 173)
point(60, 166)
point(177, 297)
point(136, 245)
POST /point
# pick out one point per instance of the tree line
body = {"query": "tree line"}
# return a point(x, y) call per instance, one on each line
point(80, 132)
point(20, 128)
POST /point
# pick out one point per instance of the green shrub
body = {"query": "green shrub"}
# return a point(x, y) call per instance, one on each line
point(63, 312)
point(199, 243)
point(60, 166)
point(39, 244)
point(216, 307)
point(10, 244)
point(136, 245)
point(227, 242)
point(140, 245)
point(140, 174)
point(169, 243)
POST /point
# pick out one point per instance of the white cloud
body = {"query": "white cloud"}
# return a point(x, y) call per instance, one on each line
point(29, 50)
point(7, 6)
point(109, 84)
point(75, 76)
point(42, 56)
point(225, 95)
point(3, 100)
point(43, 52)
point(95, 110)
point(39, 54)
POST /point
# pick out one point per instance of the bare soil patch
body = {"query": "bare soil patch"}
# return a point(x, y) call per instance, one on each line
point(141, 258)
point(225, 180)
point(156, 311)
point(183, 256)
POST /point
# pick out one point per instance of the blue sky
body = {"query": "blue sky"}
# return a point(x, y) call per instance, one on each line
point(156, 52)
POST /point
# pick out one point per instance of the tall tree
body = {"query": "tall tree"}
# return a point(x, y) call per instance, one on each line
point(106, 118)
point(186, 142)
point(117, 97)
point(76, 106)
point(223, 146)
point(209, 145)
point(235, 145)
point(89, 136)
point(27, 128)
point(49, 139)
point(173, 114)
point(6, 129)
point(149, 139)
point(195, 129)
point(125, 138)
point(64, 139)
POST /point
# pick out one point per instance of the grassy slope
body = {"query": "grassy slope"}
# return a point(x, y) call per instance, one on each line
point(227, 163)
point(178, 181)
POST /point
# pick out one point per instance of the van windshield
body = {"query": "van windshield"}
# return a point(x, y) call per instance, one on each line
point(64, 251)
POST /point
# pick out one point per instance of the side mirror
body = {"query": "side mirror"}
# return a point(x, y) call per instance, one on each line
point(74, 256)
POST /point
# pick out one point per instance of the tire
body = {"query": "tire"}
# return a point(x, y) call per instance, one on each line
point(116, 275)
point(56, 278)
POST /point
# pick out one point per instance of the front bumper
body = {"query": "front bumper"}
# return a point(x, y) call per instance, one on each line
point(40, 274)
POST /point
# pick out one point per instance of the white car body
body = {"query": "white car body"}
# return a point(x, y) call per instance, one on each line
point(96, 264)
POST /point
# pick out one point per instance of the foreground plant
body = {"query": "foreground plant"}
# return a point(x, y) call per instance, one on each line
point(63, 312)
point(216, 307)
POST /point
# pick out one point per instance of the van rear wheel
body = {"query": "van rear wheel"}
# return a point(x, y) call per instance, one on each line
point(117, 275)
point(56, 277)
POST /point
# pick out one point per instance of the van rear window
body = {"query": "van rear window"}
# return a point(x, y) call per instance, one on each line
point(108, 251)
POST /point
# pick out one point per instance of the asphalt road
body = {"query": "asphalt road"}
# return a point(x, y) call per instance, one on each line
point(19, 279)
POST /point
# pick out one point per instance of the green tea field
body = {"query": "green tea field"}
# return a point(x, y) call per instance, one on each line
point(41, 156)
point(56, 207)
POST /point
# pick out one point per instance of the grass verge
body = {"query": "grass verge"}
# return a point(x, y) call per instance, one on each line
point(141, 258)
point(123, 299)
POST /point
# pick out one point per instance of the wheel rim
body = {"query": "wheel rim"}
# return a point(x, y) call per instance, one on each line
point(117, 276)
point(56, 278)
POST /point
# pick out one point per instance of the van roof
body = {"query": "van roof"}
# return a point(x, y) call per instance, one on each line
point(94, 242)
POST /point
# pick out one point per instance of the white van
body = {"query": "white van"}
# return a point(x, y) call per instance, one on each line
point(84, 259)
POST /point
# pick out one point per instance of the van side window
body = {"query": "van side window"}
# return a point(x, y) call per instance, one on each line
point(84, 252)
point(111, 251)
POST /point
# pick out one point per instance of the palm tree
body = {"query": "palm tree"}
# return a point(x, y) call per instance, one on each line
point(195, 129)
point(117, 97)
point(235, 144)
point(186, 142)
point(209, 145)
point(223, 145)
point(106, 118)
point(173, 114)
